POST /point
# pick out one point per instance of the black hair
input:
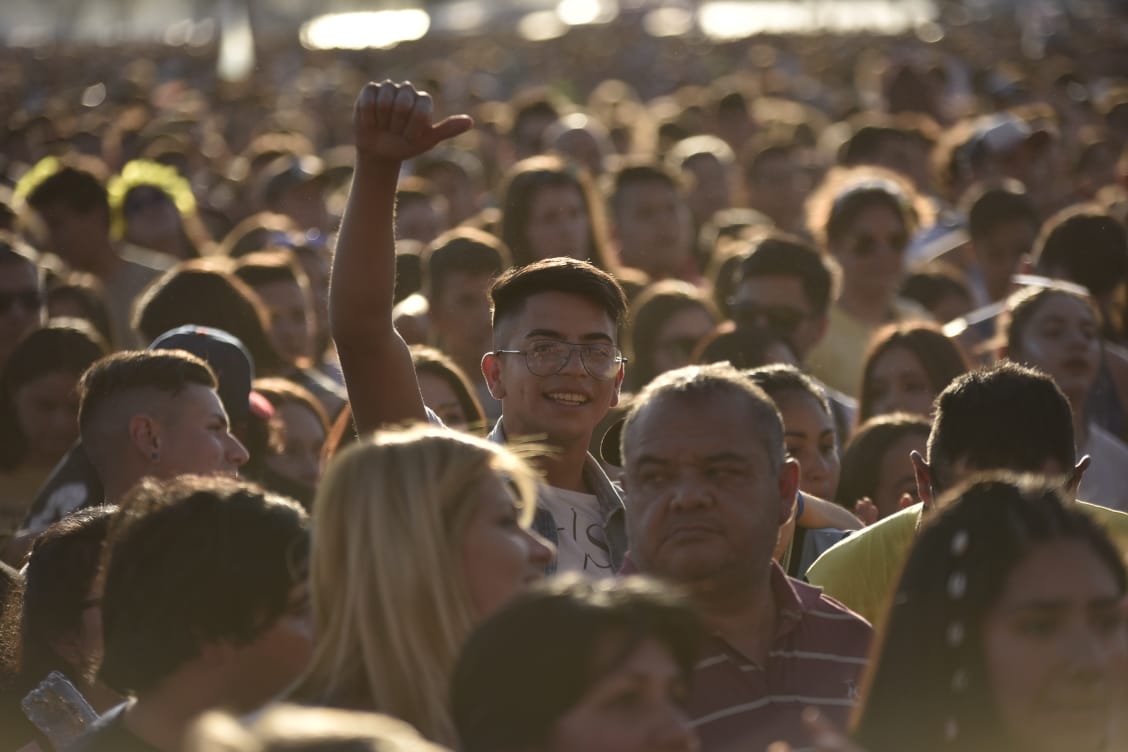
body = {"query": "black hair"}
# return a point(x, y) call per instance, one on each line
point(435, 362)
point(989, 206)
point(928, 686)
point(860, 463)
point(778, 379)
point(636, 173)
point(596, 627)
point(510, 291)
point(657, 304)
point(932, 284)
point(460, 250)
point(741, 346)
point(1085, 245)
point(939, 355)
point(71, 186)
point(190, 562)
point(1006, 417)
point(788, 256)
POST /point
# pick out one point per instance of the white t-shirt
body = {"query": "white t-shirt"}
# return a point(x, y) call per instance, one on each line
point(581, 544)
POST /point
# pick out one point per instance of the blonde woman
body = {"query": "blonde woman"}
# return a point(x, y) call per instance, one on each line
point(418, 535)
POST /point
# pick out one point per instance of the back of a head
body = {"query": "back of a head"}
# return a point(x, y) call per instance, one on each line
point(939, 356)
point(1007, 417)
point(511, 290)
point(191, 562)
point(1085, 245)
point(77, 184)
point(929, 685)
point(595, 627)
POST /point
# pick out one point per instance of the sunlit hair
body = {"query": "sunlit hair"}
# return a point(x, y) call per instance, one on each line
point(391, 604)
point(835, 204)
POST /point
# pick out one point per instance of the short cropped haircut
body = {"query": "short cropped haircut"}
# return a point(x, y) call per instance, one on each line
point(597, 627)
point(190, 562)
point(464, 250)
point(1087, 246)
point(1007, 417)
point(165, 371)
point(779, 255)
point(511, 290)
point(987, 207)
point(699, 383)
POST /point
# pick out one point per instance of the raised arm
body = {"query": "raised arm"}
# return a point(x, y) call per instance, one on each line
point(392, 123)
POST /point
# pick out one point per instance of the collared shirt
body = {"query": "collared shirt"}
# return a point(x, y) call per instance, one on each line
point(815, 660)
point(610, 502)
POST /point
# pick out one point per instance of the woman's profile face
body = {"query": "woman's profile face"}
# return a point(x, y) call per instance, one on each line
point(899, 383)
point(303, 437)
point(499, 557)
point(1056, 650)
point(558, 223)
point(872, 251)
point(637, 707)
point(1062, 338)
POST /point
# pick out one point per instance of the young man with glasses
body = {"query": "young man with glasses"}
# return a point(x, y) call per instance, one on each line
point(555, 365)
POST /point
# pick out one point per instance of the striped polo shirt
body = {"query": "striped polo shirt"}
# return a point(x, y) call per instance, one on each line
point(816, 659)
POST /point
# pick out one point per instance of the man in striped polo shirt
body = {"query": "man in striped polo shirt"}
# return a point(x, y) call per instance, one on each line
point(708, 484)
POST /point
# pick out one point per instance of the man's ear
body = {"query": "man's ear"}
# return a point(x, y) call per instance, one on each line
point(491, 370)
point(788, 488)
point(923, 475)
point(1074, 481)
point(145, 435)
point(618, 384)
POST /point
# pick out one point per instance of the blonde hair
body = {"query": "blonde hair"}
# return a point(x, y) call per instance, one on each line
point(391, 606)
point(293, 728)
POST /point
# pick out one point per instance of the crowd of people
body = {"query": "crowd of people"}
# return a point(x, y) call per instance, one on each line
point(622, 393)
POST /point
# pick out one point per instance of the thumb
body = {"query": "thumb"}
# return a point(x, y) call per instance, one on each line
point(455, 125)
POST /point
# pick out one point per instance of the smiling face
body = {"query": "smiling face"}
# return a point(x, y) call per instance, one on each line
point(499, 557)
point(558, 223)
point(1062, 338)
point(564, 407)
point(638, 706)
point(899, 383)
point(1056, 650)
point(706, 498)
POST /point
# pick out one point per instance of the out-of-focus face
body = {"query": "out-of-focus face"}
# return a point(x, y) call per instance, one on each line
point(291, 318)
point(899, 383)
point(811, 440)
point(1056, 650)
point(47, 411)
point(895, 476)
point(777, 189)
point(151, 218)
point(678, 337)
point(710, 192)
point(558, 223)
point(653, 229)
point(706, 498)
point(499, 557)
point(419, 220)
point(637, 707)
point(196, 437)
point(441, 397)
point(872, 252)
point(564, 407)
point(21, 304)
point(75, 236)
point(780, 305)
point(1062, 338)
point(460, 318)
point(303, 438)
point(579, 145)
point(999, 252)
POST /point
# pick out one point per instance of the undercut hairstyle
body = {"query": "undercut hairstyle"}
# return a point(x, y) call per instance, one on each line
point(510, 291)
point(701, 383)
point(911, 696)
point(779, 379)
point(1006, 417)
point(779, 255)
point(989, 206)
point(1085, 245)
point(597, 627)
point(462, 250)
point(860, 465)
point(192, 562)
point(269, 267)
point(106, 385)
point(940, 356)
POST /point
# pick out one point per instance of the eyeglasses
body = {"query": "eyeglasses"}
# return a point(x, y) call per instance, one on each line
point(602, 361)
point(29, 300)
point(779, 319)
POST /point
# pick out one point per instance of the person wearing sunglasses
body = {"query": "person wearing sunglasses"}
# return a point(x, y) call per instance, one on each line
point(556, 366)
point(21, 295)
